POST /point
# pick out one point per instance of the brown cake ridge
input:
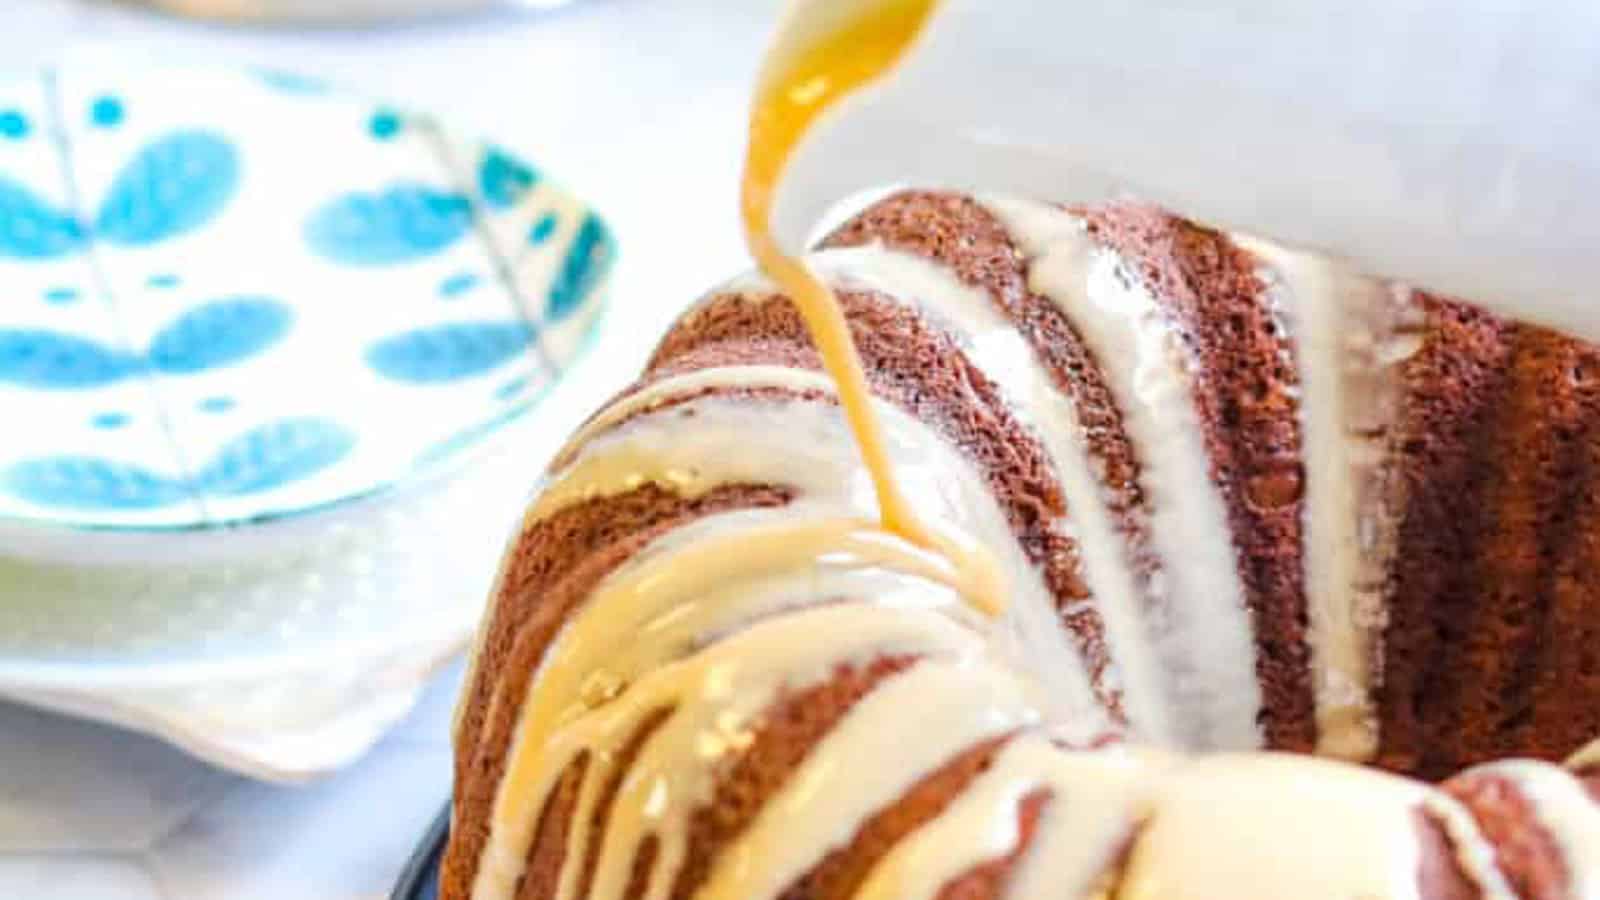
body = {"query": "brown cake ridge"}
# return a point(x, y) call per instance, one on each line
point(1245, 387)
point(919, 368)
point(1559, 677)
point(1531, 483)
point(1450, 387)
point(550, 571)
point(1495, 452)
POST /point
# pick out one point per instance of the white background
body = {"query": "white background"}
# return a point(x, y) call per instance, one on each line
point(637, 106)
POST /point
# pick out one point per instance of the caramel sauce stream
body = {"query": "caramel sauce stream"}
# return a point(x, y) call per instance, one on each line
point(794, 91)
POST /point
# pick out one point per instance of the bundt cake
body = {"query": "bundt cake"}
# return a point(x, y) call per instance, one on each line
point(1247, 501)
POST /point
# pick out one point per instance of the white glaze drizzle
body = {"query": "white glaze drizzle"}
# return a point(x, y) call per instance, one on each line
point(693, 447)
point(1343, 328)
point(1566, 812)
point(1256, 826)
point(633, 404)
point(713, 440)
point(1200, 624)
point(1095, 802)
point(653, 395)
point(992, 342)
point(839, 786)
point(718, 695)
point(1586, 758)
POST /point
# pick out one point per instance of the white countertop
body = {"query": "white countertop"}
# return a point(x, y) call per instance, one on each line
point(636, 105)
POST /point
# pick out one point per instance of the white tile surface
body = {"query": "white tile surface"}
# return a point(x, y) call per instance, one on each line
point(72, 786)
point(634, 105)
point(76, 878)
point(91, 813)
point(349, 831)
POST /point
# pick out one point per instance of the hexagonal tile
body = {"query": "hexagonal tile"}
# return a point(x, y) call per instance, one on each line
point(68, 785)
point(345, 837)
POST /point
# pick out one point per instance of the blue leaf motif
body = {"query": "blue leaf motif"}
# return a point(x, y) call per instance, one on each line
point(31, 229)
point(90, 483)
point(272, 455)
point(50, 360)
point(219, 333)
point(404, 222)
point(171, 186)
point(588, 259)
point(503, 179)
point(448, 352)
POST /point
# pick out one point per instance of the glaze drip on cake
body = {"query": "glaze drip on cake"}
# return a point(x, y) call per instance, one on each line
point(794, 89)
point(1587, 759)
point(1352, 333)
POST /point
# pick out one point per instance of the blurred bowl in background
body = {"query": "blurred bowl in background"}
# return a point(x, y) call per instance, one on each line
point(271, 357)
point(337, 11)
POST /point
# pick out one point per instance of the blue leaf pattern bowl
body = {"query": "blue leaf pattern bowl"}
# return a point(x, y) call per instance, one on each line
point(228, 296)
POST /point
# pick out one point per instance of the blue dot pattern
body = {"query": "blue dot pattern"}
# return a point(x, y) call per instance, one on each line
point(13, 125)
point(458, 284)
point(110, 421)
point(106, 112)
point(587, 262)
point(216, 405)
point(162, 281)
point(384, 124)
point(543, 229)
point(61, 296)
point(503, 180)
